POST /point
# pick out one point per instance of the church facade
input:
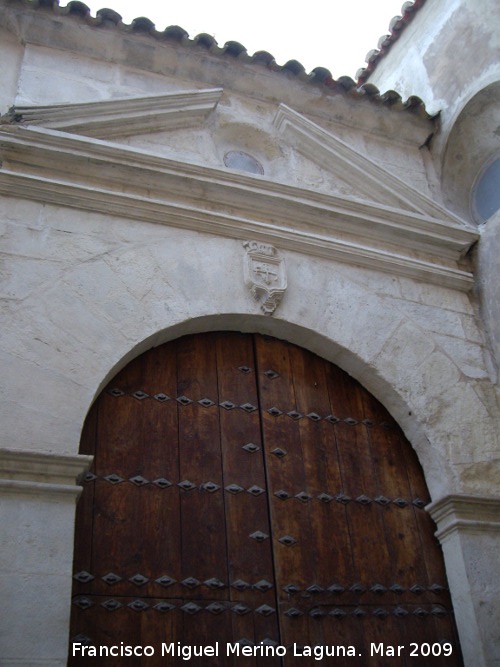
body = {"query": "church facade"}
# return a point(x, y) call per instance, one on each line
point(154, 187)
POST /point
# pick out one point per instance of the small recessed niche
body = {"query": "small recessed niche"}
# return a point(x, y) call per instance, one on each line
point(241, 161)
point(485, 196)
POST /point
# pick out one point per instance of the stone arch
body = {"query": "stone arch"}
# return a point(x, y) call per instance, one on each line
point(121, 409)
point(166, 282)
point(128, 301)
point(473, 144)
point(472, 140)
point(436, 468)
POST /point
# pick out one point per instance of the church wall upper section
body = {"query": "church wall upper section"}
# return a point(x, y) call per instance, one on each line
point(115, 144)
point(62, 59)
point(446, 55)
point(108, 59)
point(170, 123)
point(11, 52)
point(449, 55)
point(241, 121)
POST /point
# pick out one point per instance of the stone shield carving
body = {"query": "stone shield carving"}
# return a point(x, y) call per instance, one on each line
point(265, 274)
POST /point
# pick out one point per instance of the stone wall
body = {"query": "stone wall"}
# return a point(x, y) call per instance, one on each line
point(446, 55)
point(85, 292)
point(465, 92)
point(116, 238)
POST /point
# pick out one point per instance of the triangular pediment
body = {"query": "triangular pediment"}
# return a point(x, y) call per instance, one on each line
point(371, 182)
point(360, 178)
point(382, 223)
point(53, 166)
point(110, 119)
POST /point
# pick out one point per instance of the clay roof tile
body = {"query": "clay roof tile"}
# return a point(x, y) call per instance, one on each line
point(109, 16)
point(78, 8)
point(319, 76)
point(142, 24)
point(396, 26)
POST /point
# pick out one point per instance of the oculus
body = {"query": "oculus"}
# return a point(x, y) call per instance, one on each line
point(485, 196)
point(243, 162)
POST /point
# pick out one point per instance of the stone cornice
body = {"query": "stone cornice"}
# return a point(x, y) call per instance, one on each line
point(122, 117)
point(52, 166)
point(25, 468)
point(457, 513)
point(49, 492)
point(334, 155)
point(170, 54)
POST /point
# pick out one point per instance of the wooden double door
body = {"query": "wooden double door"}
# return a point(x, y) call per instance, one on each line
point(245, 491)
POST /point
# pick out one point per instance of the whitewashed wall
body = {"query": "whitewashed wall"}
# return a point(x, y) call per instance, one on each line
point(83, 292)
point(465, 91)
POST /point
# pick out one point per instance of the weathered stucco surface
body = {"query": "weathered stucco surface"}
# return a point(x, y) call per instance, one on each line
point(466, 94)
point(488, 273)
point(425, 60)
point(109, 247)
point(82, 292)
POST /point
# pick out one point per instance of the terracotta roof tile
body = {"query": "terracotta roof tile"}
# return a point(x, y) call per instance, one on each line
point(396, 26)
point(142, 24)
point(319, 76)
point(109, 15)
point(77, 7)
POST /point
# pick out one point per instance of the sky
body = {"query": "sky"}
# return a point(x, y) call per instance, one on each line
point(336, 34)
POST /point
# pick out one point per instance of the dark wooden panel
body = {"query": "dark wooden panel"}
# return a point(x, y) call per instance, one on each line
point(250, 561)
point(214, 411)
point(137, 439)
point(287, 471)
point(370, 555)
point(407, 564)
point(84, 515)
point(203, 529)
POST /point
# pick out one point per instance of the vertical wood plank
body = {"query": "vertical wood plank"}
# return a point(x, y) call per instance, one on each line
point(84, 515)
point(203, 529)
point(251, 572)
point(184, 412)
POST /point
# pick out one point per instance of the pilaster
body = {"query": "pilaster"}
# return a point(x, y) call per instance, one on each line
point(469, 532)
point(38, 494)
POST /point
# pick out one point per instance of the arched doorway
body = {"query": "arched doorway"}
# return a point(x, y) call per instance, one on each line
point(247, 492)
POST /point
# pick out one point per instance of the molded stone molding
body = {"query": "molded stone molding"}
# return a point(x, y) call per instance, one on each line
point(469, 531)
point(31, 472)
point(122, 117)
point(47, 27)
point(265, 275)
point(373, 181)
point(52, 166)
point(465, 513)
point(38, 494)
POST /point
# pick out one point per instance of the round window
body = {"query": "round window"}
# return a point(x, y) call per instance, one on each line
point(486, 192)
point(243, 162)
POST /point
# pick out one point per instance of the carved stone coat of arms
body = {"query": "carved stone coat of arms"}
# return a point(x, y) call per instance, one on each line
point(265, 274)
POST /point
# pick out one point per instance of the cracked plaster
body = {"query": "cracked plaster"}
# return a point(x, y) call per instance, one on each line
point(86, 292)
